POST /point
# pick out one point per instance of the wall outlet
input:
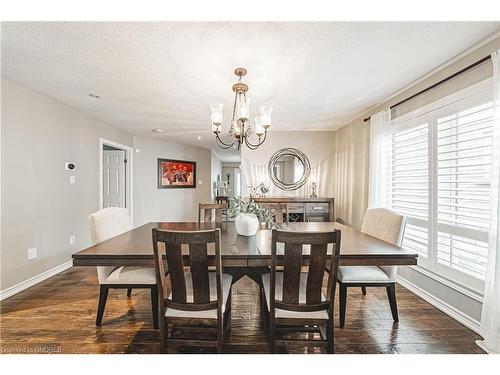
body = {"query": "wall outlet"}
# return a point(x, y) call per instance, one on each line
point(72, 240)
point(32, 253)
point(72, 179)
point(200, 182)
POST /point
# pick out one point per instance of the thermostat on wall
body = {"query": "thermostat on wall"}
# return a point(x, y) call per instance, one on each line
point(69, 166)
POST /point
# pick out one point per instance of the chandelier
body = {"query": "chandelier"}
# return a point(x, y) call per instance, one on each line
point(241, 129)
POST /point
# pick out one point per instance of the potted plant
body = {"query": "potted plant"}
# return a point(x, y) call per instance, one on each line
point(248, 215)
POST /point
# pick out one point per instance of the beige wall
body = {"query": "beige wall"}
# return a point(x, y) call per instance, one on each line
point(317, 146)
point(153, 204)
point(351, 172)
point(352, 155)
point(39, 206)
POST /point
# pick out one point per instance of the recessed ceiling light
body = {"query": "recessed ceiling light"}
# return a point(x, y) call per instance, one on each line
point(158, 130)
point(95, 96)
point(199, 138)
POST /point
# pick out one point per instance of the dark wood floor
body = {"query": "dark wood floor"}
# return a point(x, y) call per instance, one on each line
point(58, 315)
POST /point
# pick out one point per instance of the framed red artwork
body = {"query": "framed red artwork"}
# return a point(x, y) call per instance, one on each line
point(173, 174)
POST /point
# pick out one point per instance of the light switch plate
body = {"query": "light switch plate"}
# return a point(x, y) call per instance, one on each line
point(72, 179)
point(32, 253)
point(200, 182)
point(72, 240)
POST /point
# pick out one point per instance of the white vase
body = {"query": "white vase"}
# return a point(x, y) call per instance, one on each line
point(246, 224)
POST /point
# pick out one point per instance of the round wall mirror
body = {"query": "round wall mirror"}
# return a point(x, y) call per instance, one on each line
point(289, 168)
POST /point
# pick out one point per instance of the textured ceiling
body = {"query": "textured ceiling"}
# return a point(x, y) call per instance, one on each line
point(317, 76)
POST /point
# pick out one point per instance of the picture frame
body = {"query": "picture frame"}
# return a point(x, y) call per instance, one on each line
point(176, 174)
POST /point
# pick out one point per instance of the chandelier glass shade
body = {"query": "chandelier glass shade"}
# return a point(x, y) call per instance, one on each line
point(241, 128)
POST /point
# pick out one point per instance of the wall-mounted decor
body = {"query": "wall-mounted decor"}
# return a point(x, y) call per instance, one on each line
point(173, 174)
point(289, 168)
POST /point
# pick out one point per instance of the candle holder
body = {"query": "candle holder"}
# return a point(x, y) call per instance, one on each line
point(313, 186)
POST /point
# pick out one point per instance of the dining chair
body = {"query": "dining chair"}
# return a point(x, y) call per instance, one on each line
point(293, 298)
point(105, 224)
point(199, 298)
point(206, 212)
point(221, 199)
point(277, 211)
point(388, 226)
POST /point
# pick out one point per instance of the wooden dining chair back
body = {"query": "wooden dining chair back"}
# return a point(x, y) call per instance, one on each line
point(208, 211)
point(279, 211)
point(295, 296)
point(197, 295)
point(221, 199)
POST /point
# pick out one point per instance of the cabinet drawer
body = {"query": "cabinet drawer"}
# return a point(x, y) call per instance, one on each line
point(318, 208)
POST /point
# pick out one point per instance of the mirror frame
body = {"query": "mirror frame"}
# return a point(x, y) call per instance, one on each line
point(299, 155)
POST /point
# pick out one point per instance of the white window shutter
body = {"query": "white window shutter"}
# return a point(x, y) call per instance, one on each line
point(440, 179)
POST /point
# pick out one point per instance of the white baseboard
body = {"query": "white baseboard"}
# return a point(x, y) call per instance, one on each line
point(441, 305)
point(6, 293)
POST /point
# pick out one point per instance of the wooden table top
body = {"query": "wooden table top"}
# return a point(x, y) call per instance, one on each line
point(134, 248)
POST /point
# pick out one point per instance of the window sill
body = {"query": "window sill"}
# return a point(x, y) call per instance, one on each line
point(471, 293)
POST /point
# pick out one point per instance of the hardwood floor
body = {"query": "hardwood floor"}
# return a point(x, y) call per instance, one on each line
point(58, 316)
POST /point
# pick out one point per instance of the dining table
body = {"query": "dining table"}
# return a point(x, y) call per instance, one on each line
point(241, 255)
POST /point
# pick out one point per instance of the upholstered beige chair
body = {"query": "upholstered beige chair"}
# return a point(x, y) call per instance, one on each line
point(105, 224)
point(388, 226)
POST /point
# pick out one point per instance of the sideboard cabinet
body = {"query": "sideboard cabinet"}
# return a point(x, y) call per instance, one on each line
point(304, 209)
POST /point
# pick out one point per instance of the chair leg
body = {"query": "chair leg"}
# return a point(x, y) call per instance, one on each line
point(226, 317)
point(129, 292)
point(330, 336)
point(154, 305)
point(363, 290)
point(342, 302)
point(103, 296)
point(272, 336)
point(164, 335)
point(391, 295)
point(220, 337)
point(264, 313)
point(228, 312)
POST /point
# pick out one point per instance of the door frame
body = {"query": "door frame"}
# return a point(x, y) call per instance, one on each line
point(129, 174)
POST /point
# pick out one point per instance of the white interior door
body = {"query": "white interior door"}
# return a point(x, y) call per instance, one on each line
point(113, 178)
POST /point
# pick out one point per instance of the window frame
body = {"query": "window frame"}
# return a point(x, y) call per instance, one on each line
point(466, 284)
